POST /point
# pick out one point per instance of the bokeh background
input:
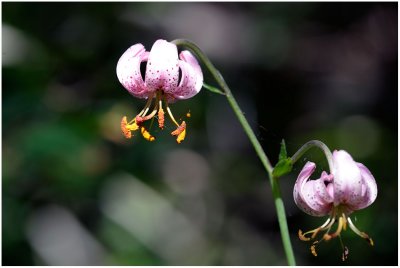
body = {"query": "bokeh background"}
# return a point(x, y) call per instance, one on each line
point(75, 192)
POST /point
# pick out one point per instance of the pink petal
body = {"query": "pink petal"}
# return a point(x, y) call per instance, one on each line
point(191, 81)
point(347, 179)
point(162, 71)
point(312, 196)
point(316, 196)
point(305, 173)
point(128, 70)
point(196, 75)
point(323, 188)
point(369, 190)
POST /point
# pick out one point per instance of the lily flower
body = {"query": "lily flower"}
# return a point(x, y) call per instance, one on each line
point(350, 187)
point(166, 80)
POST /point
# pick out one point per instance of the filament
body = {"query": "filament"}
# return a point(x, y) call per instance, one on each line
point(362, 234)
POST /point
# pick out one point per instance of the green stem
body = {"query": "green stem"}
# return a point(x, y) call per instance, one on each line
point(314, 143)
point(280, 208)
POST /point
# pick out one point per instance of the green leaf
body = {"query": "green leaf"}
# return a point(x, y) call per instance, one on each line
point(213, 89)
point(284, 165)
point(283, 152)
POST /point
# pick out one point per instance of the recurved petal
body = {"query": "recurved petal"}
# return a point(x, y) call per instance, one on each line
point(369, 190)
point(128, 70)
point(314, 193)
point(306, 196)
point(190, 84)
point(323, 188)
point(347, 179)
point(162, 71)
point(188, 57)
point(304, 174)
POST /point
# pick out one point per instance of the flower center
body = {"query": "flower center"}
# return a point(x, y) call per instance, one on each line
point(338, 215)
point(138, 121)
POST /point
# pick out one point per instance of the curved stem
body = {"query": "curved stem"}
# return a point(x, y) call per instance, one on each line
point(280, 208)
point(314, 143)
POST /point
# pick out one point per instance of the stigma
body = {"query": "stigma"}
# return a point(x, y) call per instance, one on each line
point(342, 220)
point(153, 109)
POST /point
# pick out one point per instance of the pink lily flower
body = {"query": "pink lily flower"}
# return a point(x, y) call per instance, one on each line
point(167, 79)
point(349, 187)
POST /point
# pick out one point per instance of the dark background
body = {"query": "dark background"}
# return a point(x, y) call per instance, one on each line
point(75, 192)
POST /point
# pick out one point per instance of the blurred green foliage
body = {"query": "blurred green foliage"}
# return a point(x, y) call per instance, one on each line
point(301, 71)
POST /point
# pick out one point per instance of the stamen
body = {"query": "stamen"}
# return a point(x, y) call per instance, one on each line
point(140, 119)
point(342, 221)
point(147, 106)
point(362, 234)
point(133, 127)
point(180, 132)
point(161, 116)
point(181, 137)
point(146, 134)
point(302, 237)
point(171, 116)
point(329, 226)
point(314, 231)
point(313, 250)
point(143, 112)
point(127, 133)
point(137, 122)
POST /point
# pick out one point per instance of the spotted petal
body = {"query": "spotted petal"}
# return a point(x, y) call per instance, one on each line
point(369, 189)
point(347, 179)
point(187, 86)
point(128, 70)
point(162, 71)
point(192, 76)
point(312, 196)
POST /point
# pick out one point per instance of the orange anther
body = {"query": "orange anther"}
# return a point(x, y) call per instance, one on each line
point(302, 236)
point(180, 132)
point(313, 251)
point(127, 133)
point(161, 118)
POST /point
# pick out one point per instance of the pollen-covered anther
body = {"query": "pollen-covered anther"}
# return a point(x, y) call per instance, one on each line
point(180, 132)
point(302, 237)
point(124, 123)
point(327, 237)
point(161, 118)
point(313, 251)
point(367, 238)
point(181, 136)
point(146, 135)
